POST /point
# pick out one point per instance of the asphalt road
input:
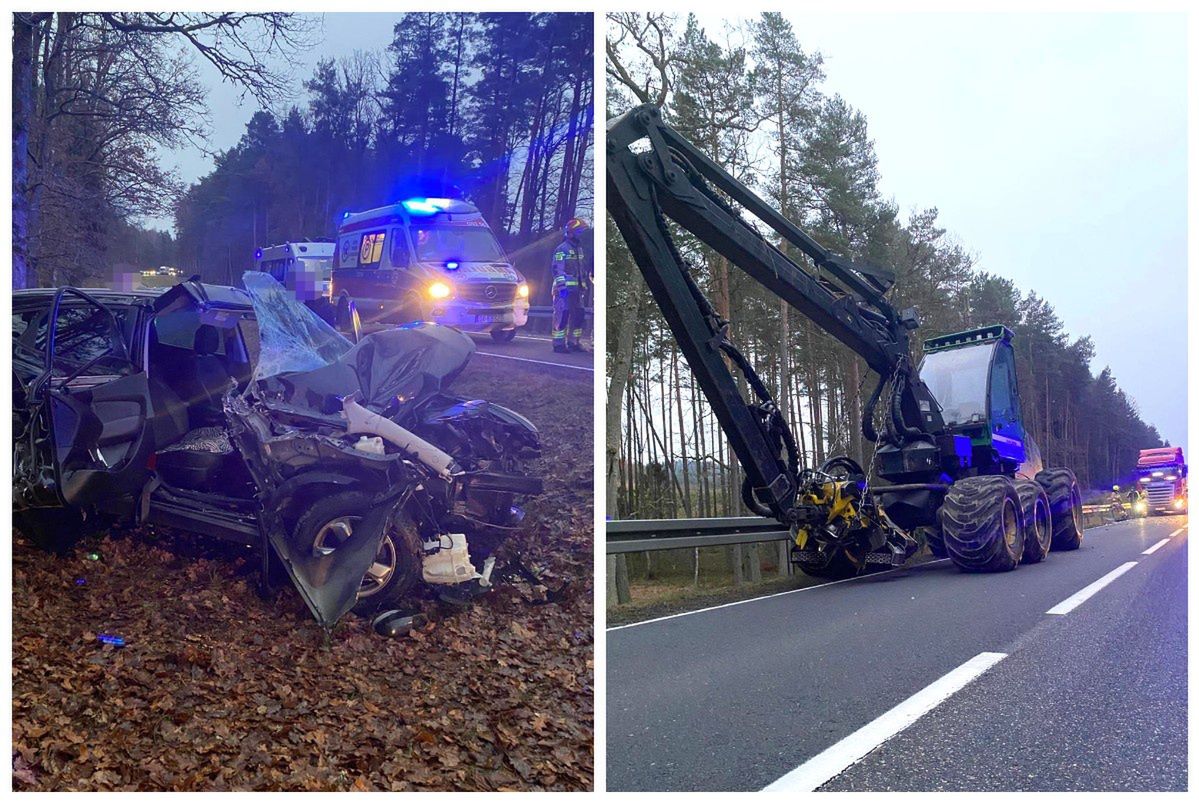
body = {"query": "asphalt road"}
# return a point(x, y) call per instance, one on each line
point(533, 350)
point(763, 692)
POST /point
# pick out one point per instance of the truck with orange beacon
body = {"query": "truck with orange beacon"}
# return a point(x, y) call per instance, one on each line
point(1162, 476)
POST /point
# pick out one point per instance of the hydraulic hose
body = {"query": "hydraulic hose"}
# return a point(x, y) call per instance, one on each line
point(903, 430)
point(868, 430)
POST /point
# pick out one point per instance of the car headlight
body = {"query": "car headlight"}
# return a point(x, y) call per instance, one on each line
point(522, 290)
point(440, 290)
point(1179, 503)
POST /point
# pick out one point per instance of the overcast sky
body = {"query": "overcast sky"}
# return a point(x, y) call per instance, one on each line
point(336, 36)
point(1055, 148)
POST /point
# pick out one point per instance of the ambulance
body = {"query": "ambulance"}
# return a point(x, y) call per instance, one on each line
point(426, 259)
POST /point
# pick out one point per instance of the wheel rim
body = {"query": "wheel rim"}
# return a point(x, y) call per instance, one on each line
point(335, 532)
point(1075, 512)
point(1042, 520)
point(1011, 528)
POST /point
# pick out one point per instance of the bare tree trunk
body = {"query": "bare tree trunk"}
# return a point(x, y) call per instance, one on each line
point(855, 410)
point(22, 113)
point(617, 567)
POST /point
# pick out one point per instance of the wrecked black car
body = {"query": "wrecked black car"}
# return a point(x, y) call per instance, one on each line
point(347, 466)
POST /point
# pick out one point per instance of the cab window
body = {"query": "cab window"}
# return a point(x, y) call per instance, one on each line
point(1004, 418)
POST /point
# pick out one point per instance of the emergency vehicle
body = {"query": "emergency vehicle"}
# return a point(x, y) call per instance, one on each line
point(427, 259)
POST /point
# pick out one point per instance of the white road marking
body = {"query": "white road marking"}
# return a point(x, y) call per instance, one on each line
point(1078, 598)
point(1155, 547)
point(833, 760)
point(538, 362)
point(519, 337)
point(1175, 533)
point(767, 597)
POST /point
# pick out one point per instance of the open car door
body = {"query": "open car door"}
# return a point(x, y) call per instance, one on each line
point(98, 402)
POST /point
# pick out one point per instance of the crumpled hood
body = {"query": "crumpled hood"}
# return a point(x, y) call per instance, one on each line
point(407, 363)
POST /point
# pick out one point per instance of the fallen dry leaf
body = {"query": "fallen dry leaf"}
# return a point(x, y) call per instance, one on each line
point(218, 689)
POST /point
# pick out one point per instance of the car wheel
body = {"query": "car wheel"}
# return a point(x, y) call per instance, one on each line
point(331, 521)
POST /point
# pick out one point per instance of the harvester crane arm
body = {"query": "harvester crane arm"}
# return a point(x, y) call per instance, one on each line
point(654, 173)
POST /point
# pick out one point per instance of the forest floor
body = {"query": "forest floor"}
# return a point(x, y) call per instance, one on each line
point(217, 689)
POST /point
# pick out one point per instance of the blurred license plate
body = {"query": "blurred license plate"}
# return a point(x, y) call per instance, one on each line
point(484, 319)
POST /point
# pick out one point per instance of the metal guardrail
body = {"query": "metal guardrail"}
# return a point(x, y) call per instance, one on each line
point(640, 535)
point(647, 535)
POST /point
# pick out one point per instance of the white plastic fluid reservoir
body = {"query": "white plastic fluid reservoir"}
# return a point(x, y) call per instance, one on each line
point(449, 564)
point(371, 444)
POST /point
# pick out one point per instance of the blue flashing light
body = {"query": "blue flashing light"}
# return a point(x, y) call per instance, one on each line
point(345, 214)
point(426, 206)
point(258, 254)
point(452, 265)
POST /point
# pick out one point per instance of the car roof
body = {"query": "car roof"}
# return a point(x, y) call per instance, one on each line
point(223, 295)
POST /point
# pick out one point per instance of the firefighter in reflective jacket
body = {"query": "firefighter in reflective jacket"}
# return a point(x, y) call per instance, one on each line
point(570, 280)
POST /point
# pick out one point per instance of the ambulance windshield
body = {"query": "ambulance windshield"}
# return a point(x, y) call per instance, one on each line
point(441, 243)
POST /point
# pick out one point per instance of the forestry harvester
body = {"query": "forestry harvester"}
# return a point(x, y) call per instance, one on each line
point(959, 471)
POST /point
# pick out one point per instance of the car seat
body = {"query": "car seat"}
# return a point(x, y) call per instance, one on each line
point(212, 377)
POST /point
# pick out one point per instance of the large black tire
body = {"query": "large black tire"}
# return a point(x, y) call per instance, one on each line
point(1038, 522)
point(982, 524)
point(400, 549)
point(1065, 506)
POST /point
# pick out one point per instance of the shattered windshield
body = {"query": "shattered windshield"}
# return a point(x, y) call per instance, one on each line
point(291, 336)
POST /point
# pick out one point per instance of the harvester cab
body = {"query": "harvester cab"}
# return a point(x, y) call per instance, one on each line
point(972, 374)
point(950, 459)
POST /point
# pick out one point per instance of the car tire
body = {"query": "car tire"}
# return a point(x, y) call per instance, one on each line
point(1065, 507)
point(982, 524)
point(400, 549)
point(1038, 522)
point(503, 335)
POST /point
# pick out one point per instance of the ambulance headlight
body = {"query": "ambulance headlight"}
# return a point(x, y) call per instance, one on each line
point(440, 290)
point(522, 290)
